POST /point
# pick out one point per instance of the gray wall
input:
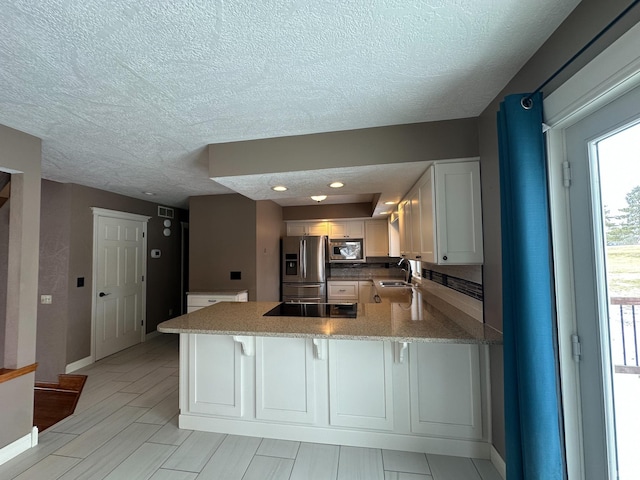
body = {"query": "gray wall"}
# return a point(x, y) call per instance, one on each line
point(20, 152)
point(269, 230)
point(55, 219)
point(314, 212)
point(66, 253)
point(222, 239)
point(4, 257)
point(163, 274)
point(368, 146)
point(589, 17)
point(228, 233)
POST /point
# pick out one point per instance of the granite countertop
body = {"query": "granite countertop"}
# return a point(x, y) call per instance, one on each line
point(405, 315)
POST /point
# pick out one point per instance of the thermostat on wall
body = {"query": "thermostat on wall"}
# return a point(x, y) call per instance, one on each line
point(155, 253)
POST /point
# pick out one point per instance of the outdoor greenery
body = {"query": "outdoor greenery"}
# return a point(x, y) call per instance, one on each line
point(623, 270)
point(623, 248)
point(624, 228)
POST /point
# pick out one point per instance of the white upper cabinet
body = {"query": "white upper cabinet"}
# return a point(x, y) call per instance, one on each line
point(414, 205)
point(427, 250)
point(440, 219)
point(299, 229)
point(404, 227)
point(458, 213)
point(376, 234)
point(347, 229)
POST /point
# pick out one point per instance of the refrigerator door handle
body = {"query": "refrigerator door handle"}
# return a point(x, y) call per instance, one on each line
point(303, 256)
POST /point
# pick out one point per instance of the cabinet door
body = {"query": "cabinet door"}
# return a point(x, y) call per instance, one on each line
point(215, 375)
point(360, 384)
point(414, 205)
point(285, 380)
point(458, 213)
point(296, 229)
point(427, 219)
point(346, 229)
point(355, 229)
point(404, 227)
point(342, 291)
point(445, 390)
point(317, 228)
point(376, 238)
point(365, 291)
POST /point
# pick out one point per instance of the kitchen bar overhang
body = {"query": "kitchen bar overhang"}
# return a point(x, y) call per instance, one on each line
point(407, 316)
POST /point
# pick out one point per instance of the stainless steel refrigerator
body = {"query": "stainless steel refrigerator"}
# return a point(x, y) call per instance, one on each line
point(304, 269)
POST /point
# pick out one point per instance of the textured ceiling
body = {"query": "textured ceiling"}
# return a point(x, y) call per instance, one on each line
point(126, 95)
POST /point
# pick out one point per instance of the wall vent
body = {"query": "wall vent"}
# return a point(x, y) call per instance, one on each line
point(165, 212)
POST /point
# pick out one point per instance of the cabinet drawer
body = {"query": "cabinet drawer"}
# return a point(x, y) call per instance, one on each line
point(195, 300)
point(342, 291)
point(201, 300)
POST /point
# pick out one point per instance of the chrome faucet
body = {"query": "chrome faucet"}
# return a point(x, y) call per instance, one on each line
point(406, 267)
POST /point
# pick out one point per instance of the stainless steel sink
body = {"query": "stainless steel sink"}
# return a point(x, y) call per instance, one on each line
point(395, 283)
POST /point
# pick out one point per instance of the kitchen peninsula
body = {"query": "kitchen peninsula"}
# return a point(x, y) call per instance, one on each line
point(408, 373)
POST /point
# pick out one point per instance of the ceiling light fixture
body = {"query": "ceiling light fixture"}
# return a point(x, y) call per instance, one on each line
point(385, 213)
point(318, 198)
point(336, 185)
point(151, 194)
point(389, 203)
point(279, 188)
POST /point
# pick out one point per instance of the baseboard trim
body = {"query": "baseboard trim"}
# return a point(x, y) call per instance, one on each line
point(83, 362)
point(23, 444)
point(337, 436)
point(151, 335)
point(498, 462)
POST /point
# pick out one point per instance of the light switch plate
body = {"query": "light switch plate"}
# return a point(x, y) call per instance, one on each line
point(46, 299)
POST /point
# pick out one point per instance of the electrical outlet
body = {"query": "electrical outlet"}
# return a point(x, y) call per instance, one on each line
point(46, 299)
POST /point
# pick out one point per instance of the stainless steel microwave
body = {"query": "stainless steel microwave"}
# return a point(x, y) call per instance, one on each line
point(351, 250)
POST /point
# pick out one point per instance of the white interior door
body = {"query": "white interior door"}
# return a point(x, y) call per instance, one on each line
point(608, 395)
point(119, 281)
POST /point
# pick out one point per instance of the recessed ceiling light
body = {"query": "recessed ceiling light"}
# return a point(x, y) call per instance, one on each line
point(279, 188)
point(336, 185)
point(151, 194)
point(318, 198)
point(389, 203)
point(385, 213)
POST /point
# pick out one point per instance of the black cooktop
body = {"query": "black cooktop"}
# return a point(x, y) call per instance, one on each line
point(337, 310)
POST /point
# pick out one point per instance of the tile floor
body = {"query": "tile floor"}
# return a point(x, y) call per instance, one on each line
point(125, 427)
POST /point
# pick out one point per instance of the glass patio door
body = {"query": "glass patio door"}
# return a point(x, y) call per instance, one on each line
point(603, 151)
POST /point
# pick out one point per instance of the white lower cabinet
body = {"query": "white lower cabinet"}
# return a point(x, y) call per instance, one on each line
point(445, 390)
point(360, 384)
point(215, 375)
point(342, 291)
point(285, 380)
point(196, 301)
point(427, 397)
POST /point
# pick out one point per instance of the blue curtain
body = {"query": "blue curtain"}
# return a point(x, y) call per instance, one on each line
point(534, 445)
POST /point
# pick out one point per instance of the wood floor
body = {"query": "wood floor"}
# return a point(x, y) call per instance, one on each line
point(125, 427)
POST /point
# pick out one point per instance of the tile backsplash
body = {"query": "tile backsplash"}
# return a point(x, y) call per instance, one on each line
point(468, 287)
point(381, 267)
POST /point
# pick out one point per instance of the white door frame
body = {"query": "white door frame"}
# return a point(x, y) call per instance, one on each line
point(610, 75)
point(102, 212)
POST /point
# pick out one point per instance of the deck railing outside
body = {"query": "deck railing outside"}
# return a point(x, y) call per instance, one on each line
point(624, 315)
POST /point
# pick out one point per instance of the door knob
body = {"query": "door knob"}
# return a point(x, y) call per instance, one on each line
point(102, 294)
